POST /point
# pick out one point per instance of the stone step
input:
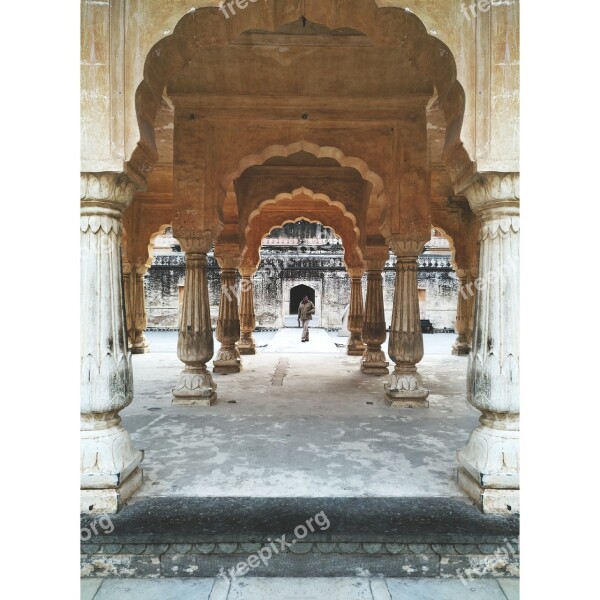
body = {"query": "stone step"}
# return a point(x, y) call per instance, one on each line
point(390, 537)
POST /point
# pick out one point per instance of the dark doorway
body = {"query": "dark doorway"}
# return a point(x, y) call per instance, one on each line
point(297, 294)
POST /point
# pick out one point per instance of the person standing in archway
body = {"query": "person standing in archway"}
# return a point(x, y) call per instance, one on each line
point(305, 312)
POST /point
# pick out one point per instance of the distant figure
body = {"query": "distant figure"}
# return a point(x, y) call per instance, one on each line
point(305, 312)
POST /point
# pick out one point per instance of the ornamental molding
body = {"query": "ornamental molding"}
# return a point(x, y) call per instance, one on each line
point(493, 190)
point(109, 188)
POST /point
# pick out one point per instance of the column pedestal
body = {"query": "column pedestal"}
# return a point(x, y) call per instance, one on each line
point(228, 359)
point(110, 471)
point(195, 346)
point(247, 345)
point(374, 330)
point(405, 386)
point(135, 307)
point(356, 346)
point(464, 313)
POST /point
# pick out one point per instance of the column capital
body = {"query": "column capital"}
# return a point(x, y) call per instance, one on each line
point(493, 194)
point(107, 190)
point(406, 247)
point(246, 270)
point(375, 258)
point(194, 242)
point(228, 262)
point(355, 272)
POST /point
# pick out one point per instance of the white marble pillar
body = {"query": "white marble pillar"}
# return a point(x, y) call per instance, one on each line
point(489, 463)
point(110, 471)
point(195, 345)
point(356, 313)
point(374, 330)
point(464, 313)
point(247, 345)
point(405, 347)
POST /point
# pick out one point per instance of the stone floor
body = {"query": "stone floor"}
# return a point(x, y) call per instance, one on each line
point(299, 420)
point(318, 588)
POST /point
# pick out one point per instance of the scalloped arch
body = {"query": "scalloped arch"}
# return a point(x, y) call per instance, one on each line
point(160, 231)
point(450, 239)
point(386, 26)
point(260, 224)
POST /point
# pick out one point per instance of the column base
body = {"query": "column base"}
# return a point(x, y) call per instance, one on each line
point(247, 350)
point(489, 500)
point(195, 388)
point(246, 346)
point(140, 345)
point(374, 363)
point(407, 401)
point(140, 349)
point(461, 349)
point(110, 500)
point(405, 389)
point(227, 361)
point(356, 350)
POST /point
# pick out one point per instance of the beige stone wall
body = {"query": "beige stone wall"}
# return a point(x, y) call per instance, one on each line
point(117, 36)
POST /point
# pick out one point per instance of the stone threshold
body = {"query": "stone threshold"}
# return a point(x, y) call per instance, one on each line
point(390, 537)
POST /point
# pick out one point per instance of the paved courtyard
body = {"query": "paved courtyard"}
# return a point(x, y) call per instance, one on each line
point(299, 420)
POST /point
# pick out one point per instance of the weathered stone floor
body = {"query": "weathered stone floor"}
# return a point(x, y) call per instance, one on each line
point(286, 588)
point(322, 429)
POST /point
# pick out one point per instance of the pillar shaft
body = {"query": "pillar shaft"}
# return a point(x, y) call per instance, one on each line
point(247, 345)
point(135, 307)
point(489, 463)
point(110, 470)
point(195, 345)
point(464, 313)
point(356, 315)
point(405, 347)
point(374, 329)
point(228, 358)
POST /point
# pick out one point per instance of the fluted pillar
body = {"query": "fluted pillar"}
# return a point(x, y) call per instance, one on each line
point(228, 359)
point(356, 313)
point(110, 471)
point(374, 329)
point(195, 345)
point(489, 463)
point(464, 313)
point(247, 345)
point(135, 307)
point(405, 346)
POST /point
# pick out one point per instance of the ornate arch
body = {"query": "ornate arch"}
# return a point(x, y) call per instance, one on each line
point(386, 27)
point(301, 204)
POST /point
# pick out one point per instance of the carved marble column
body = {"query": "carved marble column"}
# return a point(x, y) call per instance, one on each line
point(489, 463)
point(247, 345)
point(356, 313)
point(405, 346)
point(228, 358)
point(135, 307)
point(464, 313)
point(110, 471)
point(195, 346)
point(374, 329)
